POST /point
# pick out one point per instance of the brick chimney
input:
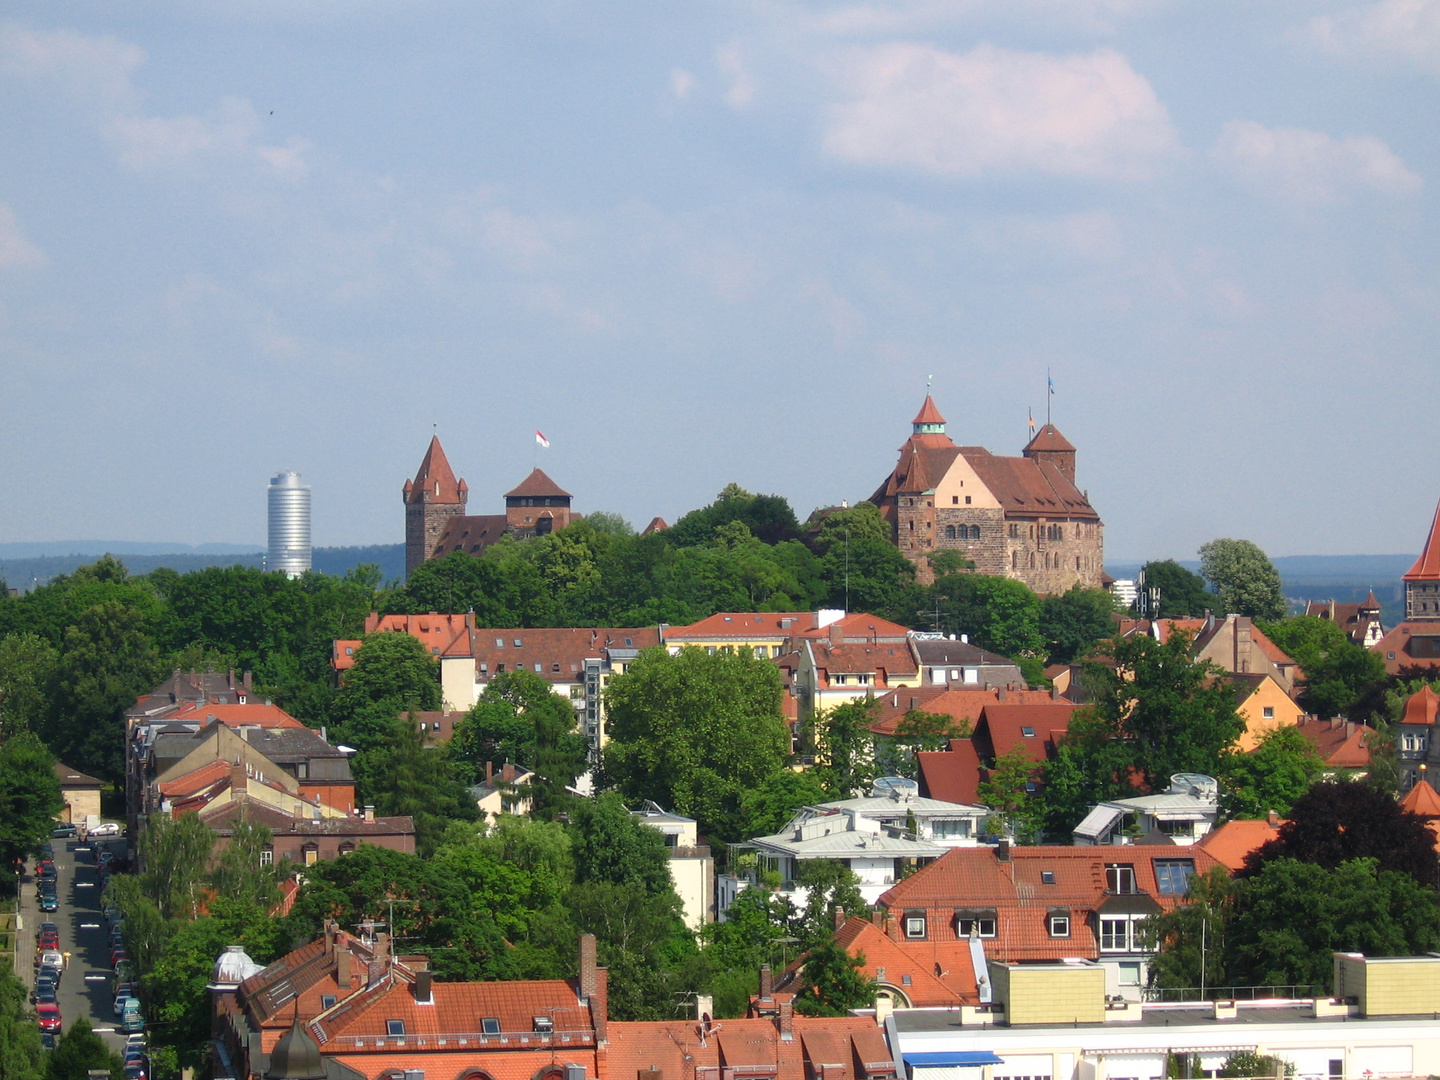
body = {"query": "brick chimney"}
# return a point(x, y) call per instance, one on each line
point(786, 1019)
point(877, 917)
point(837, 634)
point(246, 680)
point(1272, 819)
point(839, 918)
point(238, 778)
point(342, 968)
point(767, 983)
point(594, 988)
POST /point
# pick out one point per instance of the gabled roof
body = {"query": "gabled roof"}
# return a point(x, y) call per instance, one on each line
point(1422, 800)
point(884, 661)
point(1231, 843)
point(953, 775)
point(742, 626)
point(1027, 486)
point(556, 654)
point(931, 974)
point(1049, 438)
point(856, 627)
point(1427, 566)
point(537, 485)
point(1340, 743)
point(74, 778)
point(435, 481)
point(1004, 726)
point(657, 524)
point(957, 704)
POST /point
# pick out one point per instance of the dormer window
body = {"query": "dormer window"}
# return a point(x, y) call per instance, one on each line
point(915, 925)
point(544, 1025)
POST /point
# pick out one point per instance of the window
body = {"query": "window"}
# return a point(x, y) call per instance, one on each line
point(1028, 732)
point(518, 643)
point(863, 680)
point(914, 926)
point(267, 857)
point(500, 669)
point(1047, 877)
point(1130, 974)
point(539, 669)
point(759, 651)
point(1117, 934)
point(1120, 878)
point(349, 650)
point(327, 1001)
point(302, 768)
point(954, 500)
point(1172, 876)
point(1060, 925)
point(905, 980)
point(312, 854)
point(544, 1025)
point(966, 926)
point(946, 830)
point(484, 667)
point(554, 667)
point(1268, 712)
point(499, 642)
point(490, 1025)
point(967, 500)
point(950, 532)
point(394, 1027)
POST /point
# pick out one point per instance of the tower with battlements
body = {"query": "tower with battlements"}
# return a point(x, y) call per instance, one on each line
point(432, 500)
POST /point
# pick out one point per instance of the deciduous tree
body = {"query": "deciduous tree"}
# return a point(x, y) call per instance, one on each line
point(1245, 579)
point(1271, 777)
point(29, 797)
point(1339, 675)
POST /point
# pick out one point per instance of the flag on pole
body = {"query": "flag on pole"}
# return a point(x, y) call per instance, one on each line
point(1031, 414)
point(541, 439)
point(1052, 385)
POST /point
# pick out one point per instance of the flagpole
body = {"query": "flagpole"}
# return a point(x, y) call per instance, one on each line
point(1049, 393)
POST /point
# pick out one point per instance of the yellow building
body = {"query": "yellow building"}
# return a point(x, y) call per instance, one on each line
point(1264, 705)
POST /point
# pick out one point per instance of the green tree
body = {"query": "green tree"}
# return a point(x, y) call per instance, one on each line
point(404, 777)
point(692, 732)
point(106, 661)
point(833, 983)
point(1340, 821)
point(611, 845)
point(768, 517)
point(79, 1050)
point(1339, 675)
point(833, 528)
point(1352, 907)
point(27, 674)
point(1091, 765)
point(519, 718)
point(29, 797)
point(1247, 1063)
point(239, 874)
point(918, 731)
point(999, 614)
point(1192, 934)
point(830, 887)
point(1074, 622)
point(641, 939)
point(766, 809)
point(1272, 776)
point(1170, 712)
point(1245, 579)
point(1182, 593)
point(845, 762)
point(1007, 789)
point(20, 1055)
point(174, 853)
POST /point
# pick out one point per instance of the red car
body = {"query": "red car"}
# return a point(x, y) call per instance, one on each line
point(48, 1015)
point(48, 939)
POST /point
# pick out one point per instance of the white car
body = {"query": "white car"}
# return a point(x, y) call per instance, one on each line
point(106, 828)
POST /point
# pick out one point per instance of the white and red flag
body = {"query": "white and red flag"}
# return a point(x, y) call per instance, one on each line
point(541, 439)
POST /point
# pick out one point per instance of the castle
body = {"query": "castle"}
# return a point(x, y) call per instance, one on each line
point(436, 523)
point(1016, 517)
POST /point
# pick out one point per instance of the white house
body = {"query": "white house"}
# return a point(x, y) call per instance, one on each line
point(1185, 813)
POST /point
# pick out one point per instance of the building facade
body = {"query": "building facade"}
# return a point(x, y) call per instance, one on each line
point(1020, 518)
point(289, 512)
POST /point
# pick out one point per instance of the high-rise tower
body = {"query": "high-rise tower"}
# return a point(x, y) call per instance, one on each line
point(431, 500)
point(289, 501)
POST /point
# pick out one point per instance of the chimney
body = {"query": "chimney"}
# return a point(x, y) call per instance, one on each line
point(767, 983)
point(230, 679)
point(837, 634)
point(1002, 851)
point(587, 966)
point(329, 936)
point(1000, 693)
point(787, 1020)
point(877, 918)
point(649, 1074)
point(839, 918)
point(892, 926)
point(246, 680)
point(382, 949)
point(342, 968)
point(370, 813)
point(1054, 692)
point(489, 771)
point(1272, 819)
point(423, 994)
point(237, 777)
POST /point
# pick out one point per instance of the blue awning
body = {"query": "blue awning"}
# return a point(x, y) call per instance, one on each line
point(950, 1059)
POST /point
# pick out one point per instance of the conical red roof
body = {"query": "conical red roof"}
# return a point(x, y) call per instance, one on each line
point(537, 485)
point(435, 481)
point(1370, 604)
point(1421, 707)
point(929, 414)
point(1427, 566)
point(1423, 800)
point(1049, 438)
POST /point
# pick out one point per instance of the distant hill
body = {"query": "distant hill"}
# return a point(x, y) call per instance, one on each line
point(28, 572)
point(44, 548)
point(1342, 578)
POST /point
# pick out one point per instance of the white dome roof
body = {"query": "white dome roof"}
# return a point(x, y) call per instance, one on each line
point(234, 967)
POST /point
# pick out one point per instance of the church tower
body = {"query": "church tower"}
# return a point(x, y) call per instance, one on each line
point(432, 499)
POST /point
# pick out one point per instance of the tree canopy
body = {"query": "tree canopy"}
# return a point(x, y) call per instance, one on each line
point(1245, 579)
point(1182, 593)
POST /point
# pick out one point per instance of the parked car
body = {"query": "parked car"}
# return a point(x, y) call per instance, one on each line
point(106, 828)
point(136, 1070)
point(65, 830)
point(47, 850)
point(46, 996)
point(47, 939)
point(131, 1018)
point(47, 1040)
point(118, 953)
point(135, 1042)
point(53, 972)
point(49, 902)
point(42, 986)
point(48, 1016)
point(49, 956)
point(45, 870)
point(125, 971)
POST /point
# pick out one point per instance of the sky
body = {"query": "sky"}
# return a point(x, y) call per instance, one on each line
point(715, 241)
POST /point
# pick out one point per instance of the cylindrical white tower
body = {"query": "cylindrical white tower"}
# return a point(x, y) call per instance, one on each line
point(289, 524)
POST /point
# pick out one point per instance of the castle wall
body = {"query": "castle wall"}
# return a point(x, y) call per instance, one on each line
point(424, 525)
point(1023, 549)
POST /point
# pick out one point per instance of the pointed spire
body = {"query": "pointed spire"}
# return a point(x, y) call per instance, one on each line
point(1427, 566)
point(1370, 604)
point(435, 481)
point(929, 421)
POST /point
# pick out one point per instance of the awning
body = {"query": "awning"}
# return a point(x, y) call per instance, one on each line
point(951, 1059)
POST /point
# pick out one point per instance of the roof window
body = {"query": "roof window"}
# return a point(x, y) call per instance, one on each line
point(394, 1027)
point(1047, 877)
point(544, 1025)
point(499, 642)
point(518, 643)
point(539, 669)
point(1028, 732)
point(327, 1001)
point(490, 1025)
point(629, 644)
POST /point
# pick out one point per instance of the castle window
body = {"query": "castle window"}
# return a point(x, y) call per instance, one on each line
point(954, 500)
point(1014, 560)
point(967, 500)
point(974, 532)
point(949, 532)
point(1077, 562)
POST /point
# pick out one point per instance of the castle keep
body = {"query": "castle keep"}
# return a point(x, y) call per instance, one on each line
point(1017, 517)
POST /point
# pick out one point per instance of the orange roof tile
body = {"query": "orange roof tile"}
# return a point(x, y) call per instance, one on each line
point(929, 413)
point(251, 714)
point(1422, 800)
point(556, 654)
point(1232, 842)
point(1339, 743)
point(1427, 566)
point(1421, 707)
point(858, 627)
point(196, 780)
point(742, 625)
point(951, 775)
point(939, 973)
point(1049, 438)
point(435, 481)
point(956, 704)
point(1004, 725)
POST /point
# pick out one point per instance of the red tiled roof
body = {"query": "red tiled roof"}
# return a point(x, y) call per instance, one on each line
point(742, 625)
point(951, 775)
point(956, 704)
point(1427, 566)
point(885, 661)
point(678, 1047)
point(1273, 652)
point(471, 534)
point(196, 780)
point(537, 485)
point(441, 634)
point(1339, 743)
point(566, 648)
point(1422, 800)
point(857, 627)
point(1231, 843)
point(1026, 485)
point(251, 714)
point(929, 413)
point(521, 1064)
point(1421, 707)
point(435, 481)
point(657, 524)
point(1049, 438)
point(1395, 646)
point(940, 973)
point(1004, 726)
point(459, 1007)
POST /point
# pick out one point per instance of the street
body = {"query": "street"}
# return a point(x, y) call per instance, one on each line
point(86, 986)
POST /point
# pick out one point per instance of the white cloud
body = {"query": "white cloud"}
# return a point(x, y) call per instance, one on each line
point(742, 83)
point(1390, 28)
point(681, 83)
point(99, 73)
point(1309, 168)
point(15, 250)
point(871, 18)
point(995, 110)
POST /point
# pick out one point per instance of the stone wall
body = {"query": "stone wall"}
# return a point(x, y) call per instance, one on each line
point(424, 524)
point(1019, 548)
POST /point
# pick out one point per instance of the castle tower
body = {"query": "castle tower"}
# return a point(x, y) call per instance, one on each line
point(536, 507)
point(1422, 583)
point(1049, 446)
point(431, 500)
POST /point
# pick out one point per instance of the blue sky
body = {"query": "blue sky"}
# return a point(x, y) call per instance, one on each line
point(703, 242)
